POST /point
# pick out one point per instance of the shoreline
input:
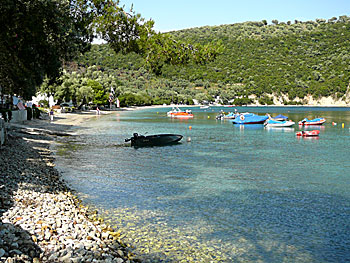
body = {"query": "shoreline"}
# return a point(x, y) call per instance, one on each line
point(39, 207)
point(41, 219)
point(233, 106)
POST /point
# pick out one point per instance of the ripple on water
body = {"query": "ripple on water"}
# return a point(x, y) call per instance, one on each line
point(241, 194)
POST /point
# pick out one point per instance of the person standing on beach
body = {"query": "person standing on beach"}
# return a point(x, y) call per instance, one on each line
point(97, 111)
point(51, 114)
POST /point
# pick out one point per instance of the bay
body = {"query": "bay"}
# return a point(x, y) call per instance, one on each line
point(232, 194)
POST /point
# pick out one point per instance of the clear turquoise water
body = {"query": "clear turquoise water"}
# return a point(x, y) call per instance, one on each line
point(252, 193)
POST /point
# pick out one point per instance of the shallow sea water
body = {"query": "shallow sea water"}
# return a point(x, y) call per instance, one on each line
point(233, 194)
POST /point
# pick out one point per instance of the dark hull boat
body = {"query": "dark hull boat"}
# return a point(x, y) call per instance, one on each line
point(154, 140)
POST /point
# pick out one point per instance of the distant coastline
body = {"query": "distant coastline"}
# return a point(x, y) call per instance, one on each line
point(233, 106)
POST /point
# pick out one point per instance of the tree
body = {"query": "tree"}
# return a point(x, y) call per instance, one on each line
point(85, 94)
point(36, 37)
point(100, 94)
point(66, 91)
point(129, 32)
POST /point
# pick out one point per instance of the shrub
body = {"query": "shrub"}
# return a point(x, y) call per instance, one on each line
point(44, 102)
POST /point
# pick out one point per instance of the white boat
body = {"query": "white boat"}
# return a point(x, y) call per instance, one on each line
point(280, 117)
point(274, 123)
point(173, 110)
point(204, 107)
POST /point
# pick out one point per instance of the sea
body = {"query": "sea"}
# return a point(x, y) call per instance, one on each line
point(225, 193)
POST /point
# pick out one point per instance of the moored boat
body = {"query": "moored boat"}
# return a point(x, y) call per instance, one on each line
point(312, 133)
point(317, 121)
point(154, 140)
point(177, 113)
point(249, 118)
point(274, 123)
point(229, 115)
point(280, 117)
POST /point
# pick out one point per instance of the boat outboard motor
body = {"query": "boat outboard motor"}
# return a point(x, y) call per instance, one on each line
point(220, 117)
point(135, 136)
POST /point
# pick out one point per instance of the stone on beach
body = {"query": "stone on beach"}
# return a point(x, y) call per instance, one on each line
point(40, 219)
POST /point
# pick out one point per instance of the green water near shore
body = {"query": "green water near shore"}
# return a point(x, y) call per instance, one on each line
point(234, 193)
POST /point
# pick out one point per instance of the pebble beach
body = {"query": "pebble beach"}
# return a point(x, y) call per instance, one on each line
point(41, 219)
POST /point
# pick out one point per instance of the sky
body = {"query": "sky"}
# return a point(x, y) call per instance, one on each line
point(172, 15)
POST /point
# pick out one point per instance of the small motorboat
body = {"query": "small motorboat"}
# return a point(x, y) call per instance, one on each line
point(249, 118)
point(280, 117)
point(220, 116)
point(230, 115)
point(312, 133)
point(274, 123)
point(317, 121)
point(177, 113)
point(153, 140)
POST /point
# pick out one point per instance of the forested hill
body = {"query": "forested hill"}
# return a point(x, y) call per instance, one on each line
point(295, 59)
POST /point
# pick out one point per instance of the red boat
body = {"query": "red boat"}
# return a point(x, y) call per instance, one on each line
point(177, 113)
point(308, 133)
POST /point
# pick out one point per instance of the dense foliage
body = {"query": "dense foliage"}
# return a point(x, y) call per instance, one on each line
point(94, 85)
point(38, 36)
point(294, 59)
point(35, 37)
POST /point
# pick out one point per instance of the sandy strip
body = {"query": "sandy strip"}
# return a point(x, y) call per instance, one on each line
point(62, 124)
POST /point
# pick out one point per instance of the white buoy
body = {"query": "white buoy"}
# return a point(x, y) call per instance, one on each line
point(188, 139)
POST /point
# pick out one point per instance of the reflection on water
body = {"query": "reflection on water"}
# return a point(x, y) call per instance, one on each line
point(235, 193)
point(313, 127)
point(279, 129)
point(311, 138)
point(243, 127)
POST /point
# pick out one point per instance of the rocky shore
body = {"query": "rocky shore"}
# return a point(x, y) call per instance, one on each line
point(41, 220)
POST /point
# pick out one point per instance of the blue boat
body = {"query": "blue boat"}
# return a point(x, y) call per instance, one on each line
point(230, 115)
point(250, 118)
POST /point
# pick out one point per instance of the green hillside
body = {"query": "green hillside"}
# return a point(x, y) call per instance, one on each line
point(294, 58)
